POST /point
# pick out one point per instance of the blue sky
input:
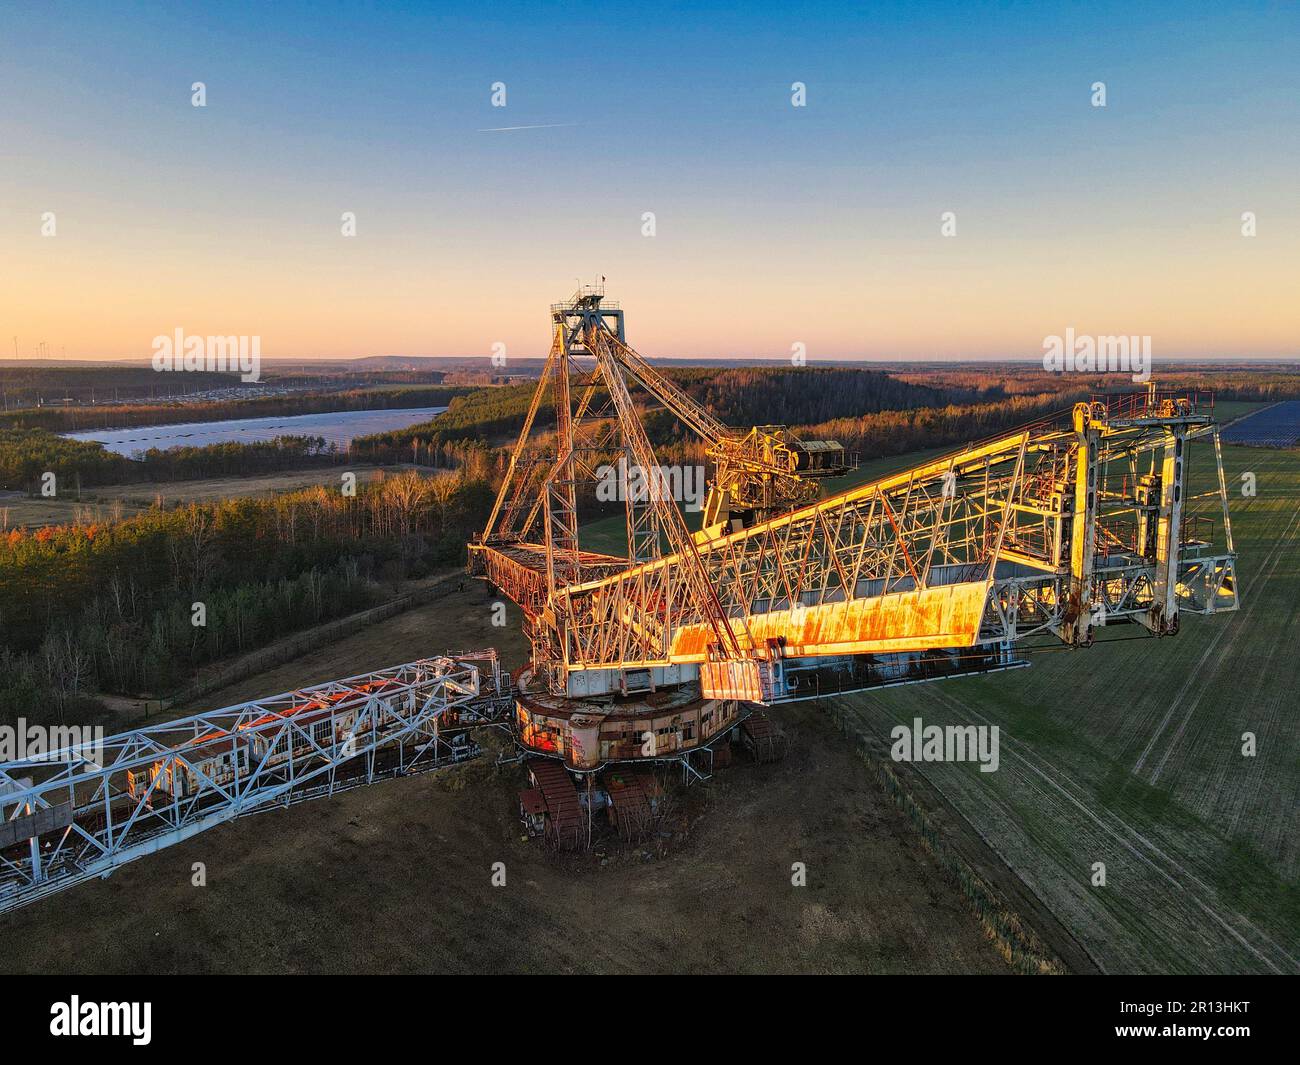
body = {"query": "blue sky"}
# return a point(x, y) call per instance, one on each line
point(774, 223)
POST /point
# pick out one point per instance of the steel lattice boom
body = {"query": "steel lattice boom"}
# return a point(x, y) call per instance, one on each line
point(1054, 530)
point(86, 810)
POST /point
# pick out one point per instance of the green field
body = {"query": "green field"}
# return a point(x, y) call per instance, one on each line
point(1226, 412)
point(1130, 754)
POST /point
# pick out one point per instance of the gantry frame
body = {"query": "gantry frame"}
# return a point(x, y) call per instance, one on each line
point(1055, 529)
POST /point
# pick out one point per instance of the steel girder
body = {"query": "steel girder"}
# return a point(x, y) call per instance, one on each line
point(84, 811)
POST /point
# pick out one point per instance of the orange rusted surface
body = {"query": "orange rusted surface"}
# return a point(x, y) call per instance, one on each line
point(587, 734)
point(731, 680)
point(948, 616)
point(519, 570)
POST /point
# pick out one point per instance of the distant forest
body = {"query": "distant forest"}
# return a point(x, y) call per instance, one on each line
point(28, 385)
point(109, 606)
point(30, 445)
point(44, 385)
point(869, 412)
point(26, 455)
point(127, 415)
point(491, 417)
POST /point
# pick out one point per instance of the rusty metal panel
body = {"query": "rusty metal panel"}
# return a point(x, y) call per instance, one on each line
point(37, 823)
point(947, 616)
point(731, 680)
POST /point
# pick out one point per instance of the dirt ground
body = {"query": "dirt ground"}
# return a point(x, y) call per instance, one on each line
point(113, 501)
point(397, 877)
point(458, 621)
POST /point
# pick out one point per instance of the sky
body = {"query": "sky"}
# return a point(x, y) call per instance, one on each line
point(773, 224)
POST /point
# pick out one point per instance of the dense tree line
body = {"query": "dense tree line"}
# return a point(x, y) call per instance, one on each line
point(1244, 385)
point(26, 385)
point(479, 420)
point(491, 417)
point(1248, 383)
point(110, 647)
point(109, 606)
point(764, 395)
point(52, 685)
point(896, 432)
point(235, 459)
point(26, 455)
point(48, 575)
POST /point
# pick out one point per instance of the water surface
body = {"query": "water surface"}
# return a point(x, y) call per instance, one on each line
point(337, 427)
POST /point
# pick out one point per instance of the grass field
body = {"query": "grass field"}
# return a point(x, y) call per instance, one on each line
point(1131, 754)
point(109, 502)
point(1233, 409)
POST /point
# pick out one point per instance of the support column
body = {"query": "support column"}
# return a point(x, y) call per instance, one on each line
point(1077, 629)
point(1162, 617)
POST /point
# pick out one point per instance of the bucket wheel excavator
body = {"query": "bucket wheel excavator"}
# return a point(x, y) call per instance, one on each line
point(1049, 532)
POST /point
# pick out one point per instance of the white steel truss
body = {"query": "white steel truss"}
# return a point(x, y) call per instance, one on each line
point(83, 811)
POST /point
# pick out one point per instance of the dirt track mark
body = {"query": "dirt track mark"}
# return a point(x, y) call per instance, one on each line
point(1117, 833)
point(1234, 627)
point(1274, 558)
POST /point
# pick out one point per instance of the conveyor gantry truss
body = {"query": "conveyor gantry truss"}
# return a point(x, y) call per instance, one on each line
point(1051, 530)
point(84, 811)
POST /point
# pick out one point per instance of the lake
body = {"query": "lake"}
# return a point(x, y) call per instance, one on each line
point(338, 427)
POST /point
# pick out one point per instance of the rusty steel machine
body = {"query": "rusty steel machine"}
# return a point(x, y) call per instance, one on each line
point(1050, 532)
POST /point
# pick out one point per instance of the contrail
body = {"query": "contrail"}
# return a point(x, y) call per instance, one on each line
point(511, 129)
